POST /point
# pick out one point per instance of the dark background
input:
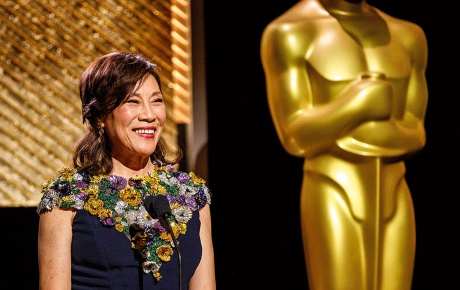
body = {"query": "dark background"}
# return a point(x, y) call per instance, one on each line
point(256, 184)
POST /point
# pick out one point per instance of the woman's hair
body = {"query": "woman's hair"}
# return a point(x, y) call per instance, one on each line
point(104, 85)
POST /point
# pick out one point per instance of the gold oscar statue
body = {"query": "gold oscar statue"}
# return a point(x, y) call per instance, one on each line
point(347, 92)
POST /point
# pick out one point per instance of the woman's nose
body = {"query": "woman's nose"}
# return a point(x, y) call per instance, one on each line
point(147, 113)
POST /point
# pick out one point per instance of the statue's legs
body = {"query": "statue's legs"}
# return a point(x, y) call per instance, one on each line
point(358, 225)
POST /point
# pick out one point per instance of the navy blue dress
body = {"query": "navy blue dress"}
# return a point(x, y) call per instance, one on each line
point(116, 244)
point(100, 259)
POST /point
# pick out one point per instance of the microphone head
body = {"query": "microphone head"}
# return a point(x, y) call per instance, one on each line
point(161, 205)
point(148, 204)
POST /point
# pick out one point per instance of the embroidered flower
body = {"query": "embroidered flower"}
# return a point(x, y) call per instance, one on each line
point(118, 203)
point(164, 252)
point(139, 241)
point(183, 213)
point(93, 205)
point(119, 227)
point(130, 196)
point(117, 182)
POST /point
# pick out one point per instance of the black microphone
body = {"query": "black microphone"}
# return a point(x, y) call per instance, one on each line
point(158, 207)
point(148, 204)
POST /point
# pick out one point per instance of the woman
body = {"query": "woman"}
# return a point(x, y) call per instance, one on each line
point(97, 229)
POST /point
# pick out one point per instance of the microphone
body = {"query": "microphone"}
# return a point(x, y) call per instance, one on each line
point(158, 207)
point(148, 204)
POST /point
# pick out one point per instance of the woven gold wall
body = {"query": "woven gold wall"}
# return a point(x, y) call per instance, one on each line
point(44, 48)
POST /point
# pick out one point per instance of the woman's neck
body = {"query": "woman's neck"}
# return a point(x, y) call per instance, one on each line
point(130, 168)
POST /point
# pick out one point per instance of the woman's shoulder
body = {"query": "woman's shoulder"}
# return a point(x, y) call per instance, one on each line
point(186, 184)
point(64, 190)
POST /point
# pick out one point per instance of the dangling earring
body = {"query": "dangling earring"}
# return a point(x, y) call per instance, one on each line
point(100, 132)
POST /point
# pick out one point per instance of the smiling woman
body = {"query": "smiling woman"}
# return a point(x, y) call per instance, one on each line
point(121, 98)
point(136, 125)
point(96, 228)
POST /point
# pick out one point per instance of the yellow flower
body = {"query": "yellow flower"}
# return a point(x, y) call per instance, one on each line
point(174, 229)
point(162, 168)
point(164, 252)
point(165, 236)
point(157, 276)
point(130, 196)
point(66, 199)
point(93, 190)
point(97, 178)
point(153, 179)
point(178, 228)
point(104, 213)
point(157, 189)
point(174, 205)
point(195, 178)
point(67, 173)
point(119, 228)
point(46, 185)
point(160, 189)
point(94, 205)
point(182, 228)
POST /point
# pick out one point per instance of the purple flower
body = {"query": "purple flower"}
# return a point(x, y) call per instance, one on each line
point(117, 182)
point(81, 184)
point(135, 183)
point(153, 229)
point(201, 197)
point(63, 188)
point(183, 177)
point(108, 221)
point(180, 199)
point(82, 195)
point(191, 203)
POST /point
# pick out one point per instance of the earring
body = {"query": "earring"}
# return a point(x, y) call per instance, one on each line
point(100, 132)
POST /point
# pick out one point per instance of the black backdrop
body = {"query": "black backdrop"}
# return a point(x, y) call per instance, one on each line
point(256, 185)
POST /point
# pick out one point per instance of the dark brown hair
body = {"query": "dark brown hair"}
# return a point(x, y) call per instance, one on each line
point(104, 85)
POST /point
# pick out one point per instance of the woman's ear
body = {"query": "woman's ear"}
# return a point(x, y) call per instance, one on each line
point(100, 124)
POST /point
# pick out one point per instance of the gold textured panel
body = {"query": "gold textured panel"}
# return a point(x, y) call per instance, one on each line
point(44, 47)
point(180, 33)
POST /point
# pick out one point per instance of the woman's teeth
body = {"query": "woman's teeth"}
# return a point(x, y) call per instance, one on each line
point(144, 131)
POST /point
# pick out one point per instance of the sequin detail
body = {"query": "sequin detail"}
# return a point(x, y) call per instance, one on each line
point(119, 204)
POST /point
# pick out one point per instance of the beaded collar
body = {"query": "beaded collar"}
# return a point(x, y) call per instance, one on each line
point(119, 204)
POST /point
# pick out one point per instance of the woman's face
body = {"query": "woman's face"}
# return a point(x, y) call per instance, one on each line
point(135, 126)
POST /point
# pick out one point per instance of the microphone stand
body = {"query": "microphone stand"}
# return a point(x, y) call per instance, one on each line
point(176, 244)
point(158, 206)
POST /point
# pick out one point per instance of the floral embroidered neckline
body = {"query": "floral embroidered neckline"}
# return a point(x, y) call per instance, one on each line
point(118, 203)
